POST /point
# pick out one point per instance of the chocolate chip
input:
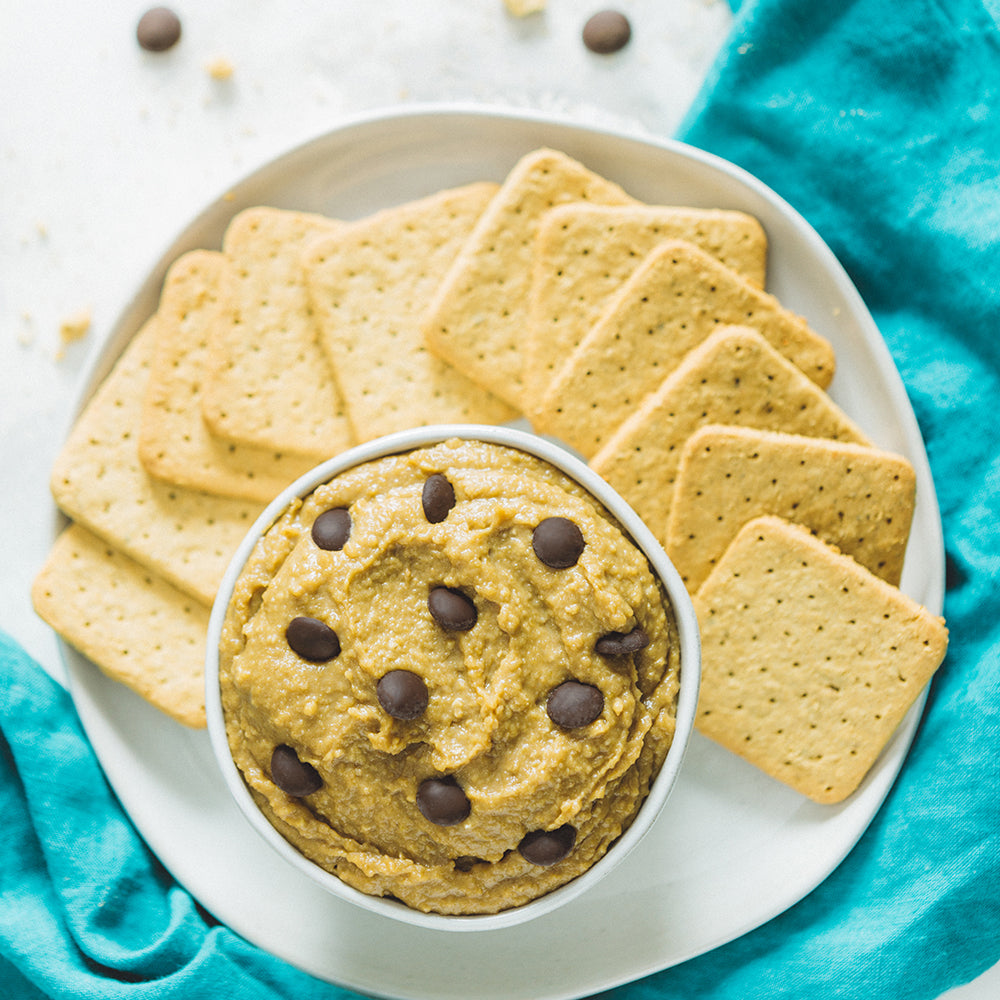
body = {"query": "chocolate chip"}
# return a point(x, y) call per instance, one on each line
point(291, 775)
point(332, 528)
point(558, 542)
point(607, 31)
point(451, 609)
point(312, 639)
point(442, 801)
point(158, 29)
point(573, 704)
point(402, 693)
point(438, 498)
point(546, 847)
point(622, 643)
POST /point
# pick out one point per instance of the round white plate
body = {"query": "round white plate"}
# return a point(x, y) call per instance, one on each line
point(732, 848)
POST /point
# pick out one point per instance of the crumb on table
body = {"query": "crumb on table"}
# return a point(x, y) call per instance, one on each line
point(522, 8)
point(220, 68)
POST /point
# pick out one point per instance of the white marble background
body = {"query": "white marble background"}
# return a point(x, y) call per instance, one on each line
point(107, 151)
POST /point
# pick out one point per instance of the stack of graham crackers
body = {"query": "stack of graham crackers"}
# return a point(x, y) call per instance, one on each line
point(639, 335)
point(298, 339)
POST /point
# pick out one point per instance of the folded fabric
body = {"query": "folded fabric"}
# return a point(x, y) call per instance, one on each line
point(879, 121)
point(85, 909)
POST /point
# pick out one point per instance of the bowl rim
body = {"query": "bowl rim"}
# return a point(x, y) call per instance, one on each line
point(561, 458)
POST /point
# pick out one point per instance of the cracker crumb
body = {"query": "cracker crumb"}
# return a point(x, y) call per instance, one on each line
point(75, 326)
point(522, 8)
point(26, 335)
point(220, 68)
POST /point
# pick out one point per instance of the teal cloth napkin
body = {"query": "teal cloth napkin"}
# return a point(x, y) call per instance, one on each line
point(85, 910)
point(878, 120)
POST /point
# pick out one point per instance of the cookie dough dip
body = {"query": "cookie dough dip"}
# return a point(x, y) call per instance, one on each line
point(448, 676)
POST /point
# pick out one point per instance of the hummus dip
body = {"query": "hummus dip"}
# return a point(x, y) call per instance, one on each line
point(449, 677)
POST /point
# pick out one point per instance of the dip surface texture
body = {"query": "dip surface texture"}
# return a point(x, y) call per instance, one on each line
point(470, 787)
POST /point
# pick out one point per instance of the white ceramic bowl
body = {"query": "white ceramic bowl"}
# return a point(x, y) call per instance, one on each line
point(689, 660)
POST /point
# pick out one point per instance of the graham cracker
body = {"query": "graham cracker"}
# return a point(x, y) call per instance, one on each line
point(98, 480)
point(856, 498)
point(268, 383)
point(136, 627)
point(809, 662)
point(734, 377)
point(583, 253)
point(675, 298)
point(477, 318)
point(175, 444)
point(368, 283)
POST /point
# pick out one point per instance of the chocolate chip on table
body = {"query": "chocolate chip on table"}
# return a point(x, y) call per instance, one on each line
point(442, 801)
point(622, 643)
point(546, 847)
point(291, 775)
point(332, 528)
point(158, 29)
point(558, 542)
point(403, 694)
point(451, 609)
point(312, 639)
point(573, 704)
point(438, 497)
point(607, 31)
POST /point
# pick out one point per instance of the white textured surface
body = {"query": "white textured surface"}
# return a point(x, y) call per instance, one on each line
point(107, 151)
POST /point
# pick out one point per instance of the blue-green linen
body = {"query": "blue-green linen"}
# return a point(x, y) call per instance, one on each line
point(878, 120)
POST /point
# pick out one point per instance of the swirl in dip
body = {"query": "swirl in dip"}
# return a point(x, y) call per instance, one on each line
point(448, 676)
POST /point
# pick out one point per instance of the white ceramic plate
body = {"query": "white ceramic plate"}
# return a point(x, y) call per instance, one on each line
point(732, 848)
